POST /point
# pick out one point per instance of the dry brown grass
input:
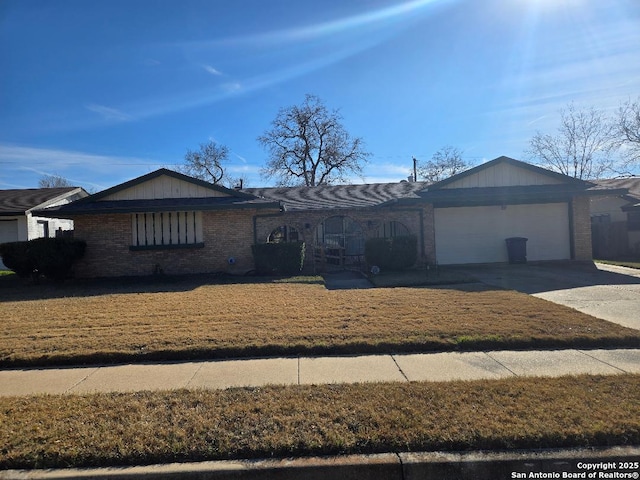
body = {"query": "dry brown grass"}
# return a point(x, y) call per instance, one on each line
point(262, 319)
point(145, 427)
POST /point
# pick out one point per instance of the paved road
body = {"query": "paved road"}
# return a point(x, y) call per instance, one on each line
point(607, 292)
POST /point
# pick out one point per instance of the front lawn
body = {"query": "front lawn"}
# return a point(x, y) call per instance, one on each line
point(179, 426)
point(184, 321)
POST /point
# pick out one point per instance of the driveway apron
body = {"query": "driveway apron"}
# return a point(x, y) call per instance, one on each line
point(607, 292)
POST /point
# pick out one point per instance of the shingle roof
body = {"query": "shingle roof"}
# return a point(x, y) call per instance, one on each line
point(339, 196)
point(17, 202)
point(632, 184)
point(158, 205)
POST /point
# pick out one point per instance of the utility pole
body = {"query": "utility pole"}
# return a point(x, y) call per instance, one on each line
point(415, 169)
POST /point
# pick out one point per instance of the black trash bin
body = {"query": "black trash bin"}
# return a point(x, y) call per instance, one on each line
point(517, 249)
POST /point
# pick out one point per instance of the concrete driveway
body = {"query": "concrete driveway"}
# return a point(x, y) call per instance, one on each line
point(607, 292)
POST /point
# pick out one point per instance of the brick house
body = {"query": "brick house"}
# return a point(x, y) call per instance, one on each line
point(167, 222)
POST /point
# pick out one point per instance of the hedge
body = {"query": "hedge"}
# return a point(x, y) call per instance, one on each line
point(396, 253)
point(51, 257)
point(286, 258)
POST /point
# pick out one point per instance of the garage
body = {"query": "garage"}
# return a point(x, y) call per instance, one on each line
point(8, 233)
point(477, 234)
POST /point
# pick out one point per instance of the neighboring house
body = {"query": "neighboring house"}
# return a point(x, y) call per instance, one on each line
point(17, 220)
point(616, 219)
point(168, 222)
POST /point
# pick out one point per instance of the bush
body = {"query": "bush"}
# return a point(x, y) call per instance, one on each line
point(278, 258)
point(14, 256)
point(51, 257)
point(395, 253)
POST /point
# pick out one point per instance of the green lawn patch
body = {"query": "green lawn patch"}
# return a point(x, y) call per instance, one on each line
point(179, 426)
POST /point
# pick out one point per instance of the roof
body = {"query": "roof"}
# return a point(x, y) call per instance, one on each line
point(94, 204)
point(506, 195)
point(159, 205)
point(19, 201)
point(324, 197)
point(441, 196)
point(632, 184)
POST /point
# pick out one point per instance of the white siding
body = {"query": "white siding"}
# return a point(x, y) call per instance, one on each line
point(35, 230)
point(165, 187)
point(477, 234)
point(503, 175)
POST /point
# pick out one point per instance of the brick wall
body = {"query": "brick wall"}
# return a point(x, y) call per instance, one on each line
point(581, 217)
point(418, 220)
point(226, 234)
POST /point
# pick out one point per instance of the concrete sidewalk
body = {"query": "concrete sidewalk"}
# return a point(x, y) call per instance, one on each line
point(222, 374)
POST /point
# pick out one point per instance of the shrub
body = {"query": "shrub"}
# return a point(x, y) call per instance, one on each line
point(278, 258)
point(14, 256)
point(395, 253)
point(51, 257)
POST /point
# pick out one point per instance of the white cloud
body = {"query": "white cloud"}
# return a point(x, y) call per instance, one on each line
point(108, 113)
point(20, 161)
point(28, 157)
point(212, 70)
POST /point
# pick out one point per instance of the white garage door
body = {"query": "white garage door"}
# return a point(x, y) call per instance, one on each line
point(8, 233)
point(477, 234)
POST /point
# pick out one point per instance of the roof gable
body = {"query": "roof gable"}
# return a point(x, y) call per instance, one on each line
point(505, 172)
point(162, 190)
point(164, 184)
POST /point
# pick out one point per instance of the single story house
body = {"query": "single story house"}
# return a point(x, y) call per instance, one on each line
point(616, 219)
point(18, 221)
point(168, 222)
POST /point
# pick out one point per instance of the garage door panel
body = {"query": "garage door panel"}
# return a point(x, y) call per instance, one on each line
point(8, 233)
point(477, 234)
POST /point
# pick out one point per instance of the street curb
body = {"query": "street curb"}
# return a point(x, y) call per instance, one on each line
point(582, 462)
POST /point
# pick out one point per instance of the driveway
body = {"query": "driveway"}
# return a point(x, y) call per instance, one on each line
point(607, 292)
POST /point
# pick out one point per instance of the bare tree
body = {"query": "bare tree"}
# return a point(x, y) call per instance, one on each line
point(627, 129)
point(308, 145)
point(445, 163)
point(207, 163)
point(582, 147)
point(53, 181)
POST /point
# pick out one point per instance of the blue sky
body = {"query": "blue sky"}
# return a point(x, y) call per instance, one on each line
point(100, 92)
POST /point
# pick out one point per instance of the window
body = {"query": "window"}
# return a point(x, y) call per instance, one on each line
point(633, 221)
point(283, 233)
point(166, 230)
point(43, 228)
point(392, 229)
